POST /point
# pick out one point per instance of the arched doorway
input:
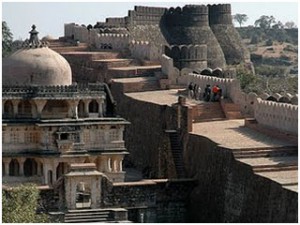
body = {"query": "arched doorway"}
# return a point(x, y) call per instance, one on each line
point(8, 110)
point(30, 167)
point(14, 168)
point(24, 109)
point(83, 195)
point(93, 107)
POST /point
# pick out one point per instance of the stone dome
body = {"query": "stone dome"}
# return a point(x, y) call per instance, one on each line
point(36, 64)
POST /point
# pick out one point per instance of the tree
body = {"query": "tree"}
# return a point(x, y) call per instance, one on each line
point(19, 205)
point(265, 22)
point(278, 25)
point(290, 25)
point(7, 39)
point(240, 18)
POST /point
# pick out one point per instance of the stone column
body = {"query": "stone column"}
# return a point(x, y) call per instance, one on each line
point(21, 165)
point(100, 108)
point(39, 106)
point(121, 130)
point(45, 172)
point(39, 172)
point(15, 106)
point(6, 165)
point(54, 166)
point(73, 110)
point(86, 107)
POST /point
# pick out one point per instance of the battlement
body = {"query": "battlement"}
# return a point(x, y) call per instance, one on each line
point(189, 15)
point(115, 22)
point(149, 10)
point(220, 14)
point(187, 52)
point(113, 30)
point(187, 56)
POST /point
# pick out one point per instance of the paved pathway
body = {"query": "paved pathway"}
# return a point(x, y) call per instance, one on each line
point(233, 134)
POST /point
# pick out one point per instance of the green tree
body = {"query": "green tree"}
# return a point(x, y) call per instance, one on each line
point(265, 22)
point(19, 205)
point(290, 25)
point(7, 39)
point(240, 18)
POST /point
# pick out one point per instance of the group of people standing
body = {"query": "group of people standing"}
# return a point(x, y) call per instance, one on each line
point(210, 94)
point(194, 91)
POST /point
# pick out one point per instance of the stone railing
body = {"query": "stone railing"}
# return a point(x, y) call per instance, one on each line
point(53, 91)
point(282, 116)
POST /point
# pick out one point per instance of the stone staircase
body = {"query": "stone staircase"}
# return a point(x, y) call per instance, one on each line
point(265, 152)
point(177, 153)
point(134, 71)
point(208, 111)
point(96, 215)
point(231, 110)
point(61, 46)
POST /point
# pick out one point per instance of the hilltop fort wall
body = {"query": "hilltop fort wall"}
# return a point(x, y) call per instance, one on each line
point(220, 22)
point(229, 191)
point(279, 115)
point(196, 25)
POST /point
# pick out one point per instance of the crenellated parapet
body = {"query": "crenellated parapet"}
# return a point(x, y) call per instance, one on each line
point(189, 15)
point(220, 14)
point(115, 30)
point(190, 56)
point(209, 25)
point(142, 15)
point(115, 22)
point(279, 115)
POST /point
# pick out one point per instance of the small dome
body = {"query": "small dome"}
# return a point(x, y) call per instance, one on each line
point(36, 64)
point(48, 38)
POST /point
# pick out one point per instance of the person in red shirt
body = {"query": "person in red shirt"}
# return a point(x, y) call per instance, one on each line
point(215, 91)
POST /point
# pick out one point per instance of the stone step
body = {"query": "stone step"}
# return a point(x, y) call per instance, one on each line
point(264, 153)
point(111, 63)
point(134, 71)
point(273, 168)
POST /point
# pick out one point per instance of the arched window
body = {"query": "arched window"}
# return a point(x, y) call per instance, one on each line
point(24, 109)
point(8, 109)
point(14, 168)
point(30, 167)
point(93, 107)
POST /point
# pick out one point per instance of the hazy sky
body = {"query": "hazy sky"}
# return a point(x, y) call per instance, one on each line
point(50, 17)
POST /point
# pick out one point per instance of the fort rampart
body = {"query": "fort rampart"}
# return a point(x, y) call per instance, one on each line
point(279, 115)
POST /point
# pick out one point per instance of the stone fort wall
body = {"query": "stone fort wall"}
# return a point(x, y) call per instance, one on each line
point(176, 26)
point(283, 116)
point(229, 191)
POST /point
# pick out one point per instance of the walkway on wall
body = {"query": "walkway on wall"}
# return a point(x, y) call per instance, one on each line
point(268, 156)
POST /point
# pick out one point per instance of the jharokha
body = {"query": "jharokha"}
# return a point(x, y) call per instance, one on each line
point(104, 122)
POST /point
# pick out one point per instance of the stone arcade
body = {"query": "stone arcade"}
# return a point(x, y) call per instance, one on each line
point(49, 123)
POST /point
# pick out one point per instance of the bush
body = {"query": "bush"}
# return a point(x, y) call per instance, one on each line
point(269, 42)
point(19, 205)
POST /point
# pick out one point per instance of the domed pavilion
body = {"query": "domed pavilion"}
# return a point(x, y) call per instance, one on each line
point(50, 125)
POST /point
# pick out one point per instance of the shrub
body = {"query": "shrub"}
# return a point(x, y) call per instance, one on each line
point(19, 205)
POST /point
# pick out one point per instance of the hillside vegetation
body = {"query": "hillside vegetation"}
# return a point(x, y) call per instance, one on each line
point(274, 53)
